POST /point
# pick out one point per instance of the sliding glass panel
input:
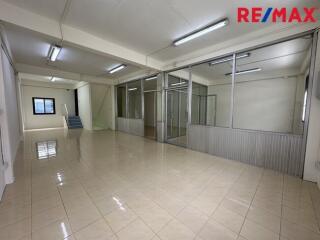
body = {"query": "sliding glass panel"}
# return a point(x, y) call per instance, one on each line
point(121, 101)
point(199, 103)
point(211, 100)
point(177, 107)
point(173, 114)
point(134, 99)
point(271, 85)
point(150, 84)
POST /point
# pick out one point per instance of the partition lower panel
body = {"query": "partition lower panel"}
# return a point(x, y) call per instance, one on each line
point(131, 126)
point(281, 152)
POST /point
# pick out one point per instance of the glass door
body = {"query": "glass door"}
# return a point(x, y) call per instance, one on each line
point(150, 114)
point(177, 116)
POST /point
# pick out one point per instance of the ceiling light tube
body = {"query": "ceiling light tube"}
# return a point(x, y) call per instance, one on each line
point(53, 79)
point(54, 52)
point(117, 68)
point(201, 32)
point(229, 59)
point(246, 71)
point(151, 78)
point(132, 89)
point(179, 83)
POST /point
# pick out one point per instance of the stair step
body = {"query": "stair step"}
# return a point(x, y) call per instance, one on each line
point(74, 122)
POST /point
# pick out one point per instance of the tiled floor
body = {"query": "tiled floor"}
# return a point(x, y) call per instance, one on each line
point(108, 185)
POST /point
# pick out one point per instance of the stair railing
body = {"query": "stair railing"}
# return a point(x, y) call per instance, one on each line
point(67, 113)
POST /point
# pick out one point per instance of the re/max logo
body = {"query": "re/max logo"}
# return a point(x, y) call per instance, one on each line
point(258, 14)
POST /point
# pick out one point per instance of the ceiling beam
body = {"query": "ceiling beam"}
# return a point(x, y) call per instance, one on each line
point(249, 40)
point(27, 19)
point(25, 68)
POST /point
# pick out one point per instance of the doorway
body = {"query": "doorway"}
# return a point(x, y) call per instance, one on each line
point(177, 116)
point(150, 116)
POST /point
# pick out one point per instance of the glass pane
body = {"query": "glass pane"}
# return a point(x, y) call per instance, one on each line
point(177, 107)
point(49, 106)
point(134, 99)
point(199, 103)
point(121, 100)
point(178, 79)
point(172, 114)
point(39, 105)
point(270, 87)
point(150, 114)
point(150, 83)
point(211, 93)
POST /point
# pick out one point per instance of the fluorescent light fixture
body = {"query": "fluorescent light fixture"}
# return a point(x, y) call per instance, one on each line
point(246, 71)
point(151, 78)
point(201, 32)
point(132, 89)
point(304, 105)
point(228, 59)
point(54, 52)
point(117, 68)
point(53, 79)
point(179, 83)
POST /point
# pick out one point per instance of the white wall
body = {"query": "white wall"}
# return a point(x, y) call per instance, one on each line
point(61, 95)
point(311, 173)
point(9, 116)
point(223, 98)
point(101, 100)
point(84, 105)
point(266, 105)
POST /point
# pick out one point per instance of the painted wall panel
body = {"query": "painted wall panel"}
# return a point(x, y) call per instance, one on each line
point(275, 151)
point(84, 104)
point(131, 126)
point(101, 99)
point(9, 119)
point(61, 96)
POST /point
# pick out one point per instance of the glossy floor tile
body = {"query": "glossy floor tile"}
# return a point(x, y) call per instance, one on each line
point(107, 185)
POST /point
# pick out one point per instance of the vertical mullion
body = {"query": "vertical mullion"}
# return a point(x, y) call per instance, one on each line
point(127, 102)
point(232, 90)
point(44, 105)
point(142, 99)
point(189, 98)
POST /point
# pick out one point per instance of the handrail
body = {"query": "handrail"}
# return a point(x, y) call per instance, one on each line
point(67, 113)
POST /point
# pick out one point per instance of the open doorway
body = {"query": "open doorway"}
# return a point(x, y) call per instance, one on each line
point(177, 110)
point(150, 117)
point(150, 108)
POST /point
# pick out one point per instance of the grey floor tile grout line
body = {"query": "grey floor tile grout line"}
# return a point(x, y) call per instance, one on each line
point(95, 207)
point(314, 208)
point(246, 215)
point(282, 196)
point(219, 206)
point(174, 217)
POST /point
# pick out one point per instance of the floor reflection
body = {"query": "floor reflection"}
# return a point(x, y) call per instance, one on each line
point(46, 149)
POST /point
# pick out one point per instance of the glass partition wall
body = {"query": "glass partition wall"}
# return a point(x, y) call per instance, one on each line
point(263, 92)
point(134, 100)
point(212, 101)
point(269, 92)
point(139, 100)
point(150, 87)
point(177, 107)
point(271, 85)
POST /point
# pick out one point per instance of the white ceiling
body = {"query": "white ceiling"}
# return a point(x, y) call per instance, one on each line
point(280, 59)
point(47, 79)
point(150, 26)
point(32, 48)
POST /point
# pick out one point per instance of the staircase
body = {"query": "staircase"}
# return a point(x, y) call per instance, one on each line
point(74, 122)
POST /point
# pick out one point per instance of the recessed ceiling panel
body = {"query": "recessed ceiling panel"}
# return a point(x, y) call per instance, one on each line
point(48, 8)
point(32, 48)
